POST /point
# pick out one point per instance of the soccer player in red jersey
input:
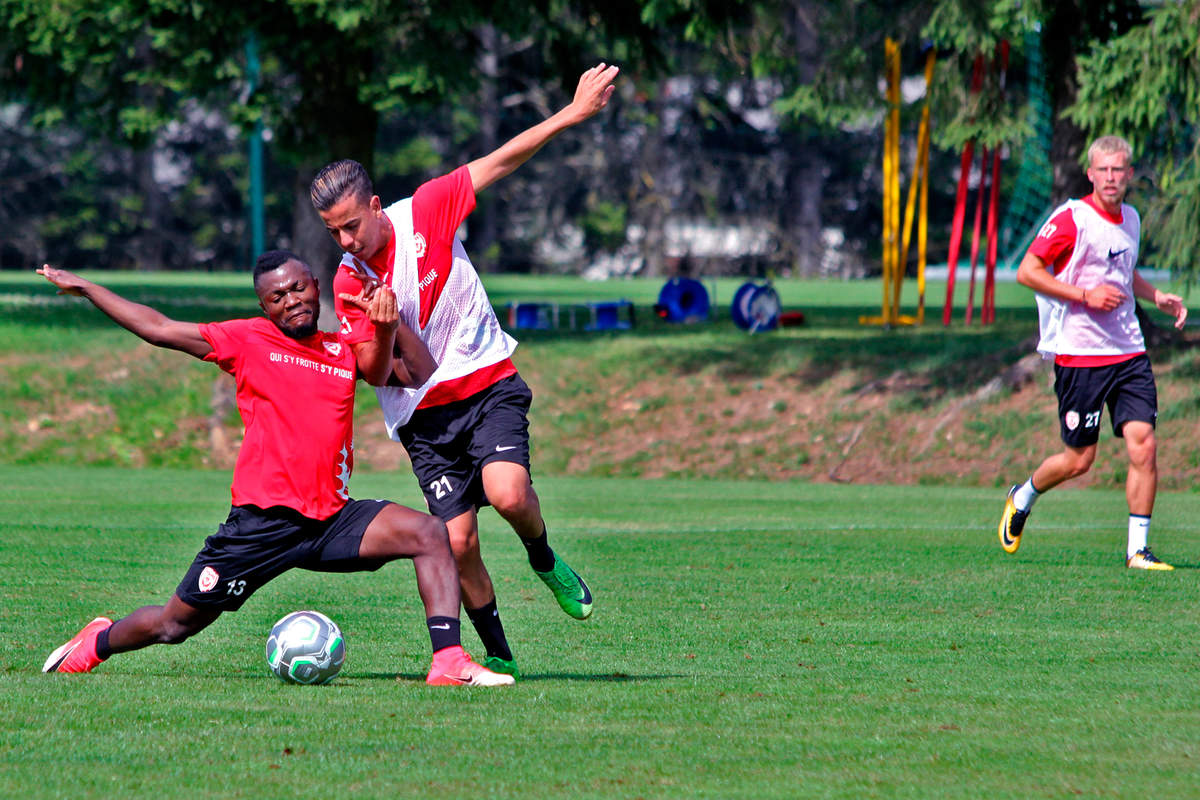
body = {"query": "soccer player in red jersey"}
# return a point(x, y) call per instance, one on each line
point(1083, 266)
point(291, 501)
point(465, 429)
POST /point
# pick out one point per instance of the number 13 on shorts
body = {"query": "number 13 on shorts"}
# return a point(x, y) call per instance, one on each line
point(441, 487)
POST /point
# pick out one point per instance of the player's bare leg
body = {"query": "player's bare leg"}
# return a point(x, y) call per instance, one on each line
point(510, 491)
point(478, 594)
point(473, 576)
point(1070, 463)
point(399, 532)
point(1142, 483)
point(1141, 486)
point(172, 623)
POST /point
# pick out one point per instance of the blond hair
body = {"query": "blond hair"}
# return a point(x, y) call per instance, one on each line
point(1109, 144)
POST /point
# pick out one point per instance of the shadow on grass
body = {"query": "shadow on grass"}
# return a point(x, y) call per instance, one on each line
point(612, 677)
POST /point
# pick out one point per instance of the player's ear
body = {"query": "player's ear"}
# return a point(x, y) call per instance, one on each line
point(376, 204)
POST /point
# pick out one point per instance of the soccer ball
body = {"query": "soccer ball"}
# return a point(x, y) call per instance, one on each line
point(306, 647)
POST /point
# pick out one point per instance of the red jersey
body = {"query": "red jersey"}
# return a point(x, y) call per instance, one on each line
point(439, 208)
point(1055, 245)
point(296, 399)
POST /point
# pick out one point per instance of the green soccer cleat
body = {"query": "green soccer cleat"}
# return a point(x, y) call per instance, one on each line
point(569, 589)
point(1012, 522)
point(503, 667)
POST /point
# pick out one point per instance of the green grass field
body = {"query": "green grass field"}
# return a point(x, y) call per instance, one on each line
point(750, 640)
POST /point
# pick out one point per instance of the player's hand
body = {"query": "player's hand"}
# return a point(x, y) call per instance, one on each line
point(382, 310)
point(371, 299)
point(369, 284)
point(594, 90)
point(1171, 304)
point(67, 282)
point(1104, 297)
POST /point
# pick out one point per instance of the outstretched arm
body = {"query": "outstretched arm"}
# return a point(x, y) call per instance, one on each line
point(144, 321)
point(591, 95)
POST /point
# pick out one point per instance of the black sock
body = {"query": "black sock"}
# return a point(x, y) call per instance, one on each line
point(487, 624)
point(541, 557)
point(103, 651)
point(444, 632)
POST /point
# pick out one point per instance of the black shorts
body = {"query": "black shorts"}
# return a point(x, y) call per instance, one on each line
point(450, 444)
point(256, 545)
point(1126, 388)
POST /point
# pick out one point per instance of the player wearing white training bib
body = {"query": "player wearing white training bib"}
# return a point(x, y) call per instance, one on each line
point(1083, 266)
point(466, 429)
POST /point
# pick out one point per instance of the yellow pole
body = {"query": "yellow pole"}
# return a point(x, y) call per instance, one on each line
point(892, 186)
point(923, 218)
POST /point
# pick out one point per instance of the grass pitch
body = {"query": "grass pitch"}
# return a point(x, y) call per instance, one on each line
point(749, 640)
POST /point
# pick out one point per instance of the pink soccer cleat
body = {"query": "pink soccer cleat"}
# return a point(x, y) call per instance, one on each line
point(453, 667)
point(78, 654)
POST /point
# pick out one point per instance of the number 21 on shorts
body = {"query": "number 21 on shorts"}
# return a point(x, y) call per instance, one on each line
point(441, 487)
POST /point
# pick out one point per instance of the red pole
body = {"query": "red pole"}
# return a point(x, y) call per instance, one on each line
point(956, 229)
point(983, 167)
point(960, 203)
point(989, 283)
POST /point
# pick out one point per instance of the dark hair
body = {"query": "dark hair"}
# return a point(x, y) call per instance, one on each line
point(335, 180)
point(272, 260)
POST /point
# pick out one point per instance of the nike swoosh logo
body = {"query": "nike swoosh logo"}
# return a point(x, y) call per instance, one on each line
point(445, 626)
point(501, 449)
point(1114, 253)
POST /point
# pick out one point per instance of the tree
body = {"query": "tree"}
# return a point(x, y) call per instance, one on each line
point(331, 72)
point(1145, 86)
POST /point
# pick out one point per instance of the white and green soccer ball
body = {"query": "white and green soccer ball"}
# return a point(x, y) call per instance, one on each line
point(306, 647)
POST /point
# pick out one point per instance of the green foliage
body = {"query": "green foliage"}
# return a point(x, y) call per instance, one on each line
point(604, 225)
point(1145, 86)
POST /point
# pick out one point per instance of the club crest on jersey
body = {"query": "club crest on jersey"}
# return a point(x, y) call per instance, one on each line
point(333, 348)
point(419, 244)
point(208, 579)
point(1072, 420)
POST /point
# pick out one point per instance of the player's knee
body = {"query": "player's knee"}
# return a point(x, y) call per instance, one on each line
point(1080, 463)
point(511, 500)
point(464, 543)
point(1144, 453)
point(432, 534)
point(171, 631)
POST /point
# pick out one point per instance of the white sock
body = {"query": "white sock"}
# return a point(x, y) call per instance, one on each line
point(1139, 531)
point(1025, 495)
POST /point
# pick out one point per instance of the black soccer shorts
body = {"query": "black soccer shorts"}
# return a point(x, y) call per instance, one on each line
point(1126, 388)
point(255, 545)
point(450, 444)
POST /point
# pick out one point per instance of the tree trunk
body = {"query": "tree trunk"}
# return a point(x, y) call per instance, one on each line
point(483, 223)
point(313, 243)
point(341, 126)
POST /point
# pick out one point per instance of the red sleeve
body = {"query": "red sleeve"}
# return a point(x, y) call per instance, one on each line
point(439, 208)
point(441, 205)
point(227, 340)
point(354, 326)
point(1056, 240)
